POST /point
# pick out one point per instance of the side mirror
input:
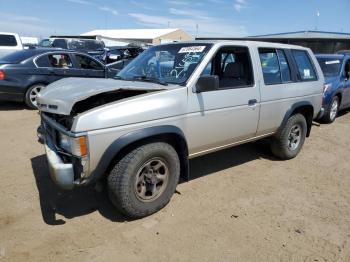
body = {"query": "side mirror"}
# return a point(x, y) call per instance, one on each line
point(207, 83)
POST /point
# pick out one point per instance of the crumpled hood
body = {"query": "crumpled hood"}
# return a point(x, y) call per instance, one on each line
point(60, 96)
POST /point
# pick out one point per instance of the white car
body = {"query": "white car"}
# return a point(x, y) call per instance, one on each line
point(9, 42)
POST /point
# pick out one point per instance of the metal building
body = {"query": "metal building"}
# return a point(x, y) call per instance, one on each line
point(147, 36)
point(318, 41)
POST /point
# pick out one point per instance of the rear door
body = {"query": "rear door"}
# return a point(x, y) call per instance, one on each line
point(60, 65)
point(86, 66)
point(288, 77)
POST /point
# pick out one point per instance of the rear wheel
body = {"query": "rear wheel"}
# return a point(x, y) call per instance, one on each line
point(332, 111)
point(144, 180)
point(289, 141)
point(31, 95)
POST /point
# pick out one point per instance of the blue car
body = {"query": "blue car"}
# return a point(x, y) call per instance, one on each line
point(336, 96)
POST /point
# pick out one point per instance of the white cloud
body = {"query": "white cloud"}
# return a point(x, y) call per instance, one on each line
point(240, 4)
point(81, 2)
point(24, 25)
point(177, 2)
point(189, 12)
point(108, 9)
point(206, 27)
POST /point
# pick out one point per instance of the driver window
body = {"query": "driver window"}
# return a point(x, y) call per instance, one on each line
point(233, 67)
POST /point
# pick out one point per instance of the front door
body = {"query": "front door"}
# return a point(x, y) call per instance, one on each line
point(346, 85)
point(230, 114)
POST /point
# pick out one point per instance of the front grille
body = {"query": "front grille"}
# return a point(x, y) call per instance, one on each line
point(63, 120)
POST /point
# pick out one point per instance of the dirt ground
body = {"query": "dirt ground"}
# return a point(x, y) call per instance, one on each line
point(240, 205)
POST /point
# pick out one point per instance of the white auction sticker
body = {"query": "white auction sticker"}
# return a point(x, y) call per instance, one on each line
point(192, 49)
point(307, 73)
point(332, 62)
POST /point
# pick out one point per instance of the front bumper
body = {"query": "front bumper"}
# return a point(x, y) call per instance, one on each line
point(321, 113)
point(66, 170)
point(61, 173)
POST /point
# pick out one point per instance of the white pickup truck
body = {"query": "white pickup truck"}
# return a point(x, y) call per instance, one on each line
point(9, 42)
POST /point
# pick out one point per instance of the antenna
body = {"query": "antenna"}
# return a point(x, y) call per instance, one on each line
point(196, 30)
point(317, 18)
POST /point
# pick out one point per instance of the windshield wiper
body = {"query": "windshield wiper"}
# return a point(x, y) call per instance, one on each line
point(150, 79)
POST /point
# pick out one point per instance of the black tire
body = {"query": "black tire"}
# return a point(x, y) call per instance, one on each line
point(28, 99)
point(123, 187)
point(282, 146)
point(330, 116)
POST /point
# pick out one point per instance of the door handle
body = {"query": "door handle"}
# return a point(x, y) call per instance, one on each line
point(252, 102)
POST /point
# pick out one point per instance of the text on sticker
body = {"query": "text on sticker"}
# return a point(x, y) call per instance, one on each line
point(190, 49)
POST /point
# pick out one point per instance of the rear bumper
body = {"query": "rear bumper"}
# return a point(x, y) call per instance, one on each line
point(61, 173)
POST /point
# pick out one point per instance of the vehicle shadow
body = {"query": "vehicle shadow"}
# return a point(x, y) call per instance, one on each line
point(69, 204)
point(343, 112)
point(7, 106)
point(231, 157)
point(85, 200)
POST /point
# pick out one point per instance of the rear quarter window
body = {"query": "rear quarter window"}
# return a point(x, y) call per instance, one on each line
point(8, 40)
point(306, 69)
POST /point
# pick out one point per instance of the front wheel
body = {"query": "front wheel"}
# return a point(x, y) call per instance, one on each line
point(290, 139)
point(31, 95)
point(332, 111)
point(144, 180)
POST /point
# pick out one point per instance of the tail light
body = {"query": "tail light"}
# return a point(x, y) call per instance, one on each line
point(2, 75)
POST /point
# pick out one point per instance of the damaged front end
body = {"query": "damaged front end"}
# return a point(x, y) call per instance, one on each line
point(67, 151)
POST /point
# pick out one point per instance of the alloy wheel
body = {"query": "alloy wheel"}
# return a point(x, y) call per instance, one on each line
point(152, 179)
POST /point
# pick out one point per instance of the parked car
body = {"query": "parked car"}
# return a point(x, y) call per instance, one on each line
point(95, 48)
point(336, 69)
point(172, 103)
point(25, 73)
point(123, 53)
point(9, 42)
point(46, 42)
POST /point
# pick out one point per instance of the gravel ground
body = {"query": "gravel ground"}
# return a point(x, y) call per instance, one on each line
point(240, 205)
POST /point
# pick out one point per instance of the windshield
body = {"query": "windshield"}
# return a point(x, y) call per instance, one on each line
point(85, 45)
point(171, 63)
point(330, 66)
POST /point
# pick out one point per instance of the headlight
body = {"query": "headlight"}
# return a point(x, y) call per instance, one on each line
point(75, 145)
point(326, 87)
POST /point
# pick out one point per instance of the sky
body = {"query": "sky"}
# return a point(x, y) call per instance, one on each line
point(234, 18)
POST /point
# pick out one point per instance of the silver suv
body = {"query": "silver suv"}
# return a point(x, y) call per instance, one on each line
point(172, 103)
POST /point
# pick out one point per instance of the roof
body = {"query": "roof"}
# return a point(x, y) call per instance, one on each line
point(244, 42)
point(131, 33)
point(339, 56)
point(306, 34)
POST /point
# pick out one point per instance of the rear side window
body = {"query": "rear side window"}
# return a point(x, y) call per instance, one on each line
point(8, 40)
point(275, 67)
point(60, 61)
point(305, 67)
